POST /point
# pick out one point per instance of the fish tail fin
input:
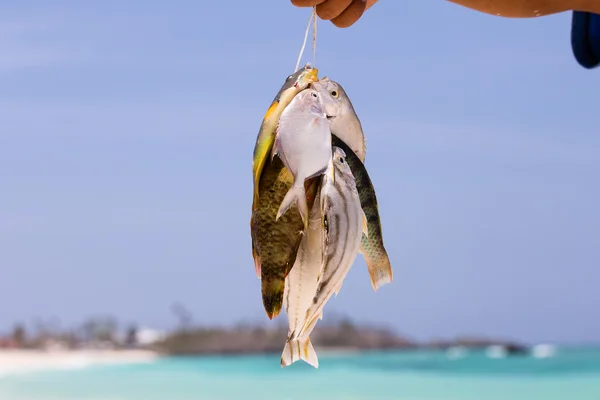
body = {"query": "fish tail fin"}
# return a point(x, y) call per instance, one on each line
point(272, 295)
point(296, 195)
point(300, 349)
point(378, 264)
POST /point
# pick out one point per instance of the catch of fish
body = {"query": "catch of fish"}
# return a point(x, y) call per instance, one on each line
point(314, 206)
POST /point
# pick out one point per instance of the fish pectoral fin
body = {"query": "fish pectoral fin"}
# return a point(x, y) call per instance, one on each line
point(331, 171)
point(365, 224)
point(300, 349)
point(275, 148)
point(257, 263)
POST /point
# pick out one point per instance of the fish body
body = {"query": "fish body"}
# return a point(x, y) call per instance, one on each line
point(300, 288)
point(275, 243)
point(303, 143)
point(293, 85)
point(344, 122)
point(372, 248)
point(343, 223)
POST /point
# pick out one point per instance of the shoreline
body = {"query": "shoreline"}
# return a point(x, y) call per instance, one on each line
point(16, 362)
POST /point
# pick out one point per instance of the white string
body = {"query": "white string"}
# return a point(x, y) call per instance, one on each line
point(314, 35)
point(313, 17)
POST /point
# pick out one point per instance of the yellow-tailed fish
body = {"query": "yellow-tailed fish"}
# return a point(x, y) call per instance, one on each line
point(303, 143)
point(343, 223)
point(343, 119)
point(372, 248)
point(293, 85)
point(300, 288)
point(275, 243)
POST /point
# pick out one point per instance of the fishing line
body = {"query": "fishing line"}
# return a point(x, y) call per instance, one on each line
point(314, 13)
point(313, 17)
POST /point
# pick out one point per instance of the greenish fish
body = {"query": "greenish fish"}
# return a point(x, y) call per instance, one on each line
point(372, 248)
point(275, 242)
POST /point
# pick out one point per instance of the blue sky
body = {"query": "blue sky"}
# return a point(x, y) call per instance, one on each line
point(126, 137)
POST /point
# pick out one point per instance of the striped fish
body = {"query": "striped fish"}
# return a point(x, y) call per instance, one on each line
point(300, 288)
point(342, 224)
point(372, 249)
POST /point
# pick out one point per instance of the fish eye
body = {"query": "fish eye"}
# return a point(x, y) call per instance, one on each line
point(341, 160)
point(289, 77)
point(335, 93)
point(314, 95)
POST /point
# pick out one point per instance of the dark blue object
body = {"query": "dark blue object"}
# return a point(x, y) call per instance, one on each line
point(585, 38)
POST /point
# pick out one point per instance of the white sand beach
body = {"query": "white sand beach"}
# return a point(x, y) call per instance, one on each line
point(23, 361)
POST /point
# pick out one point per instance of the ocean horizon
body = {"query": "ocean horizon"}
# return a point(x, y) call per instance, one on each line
point(407, 375)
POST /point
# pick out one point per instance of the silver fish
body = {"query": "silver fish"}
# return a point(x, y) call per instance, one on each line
point(343, 119)
point(300, 288)
point(303, 143)
point(343, 223)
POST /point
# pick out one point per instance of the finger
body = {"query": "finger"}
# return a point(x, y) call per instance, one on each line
point(370, 3)
point(351, 14)
point(332, 8)
point(307, 3)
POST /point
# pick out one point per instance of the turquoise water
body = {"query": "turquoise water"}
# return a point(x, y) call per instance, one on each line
point(569, 375)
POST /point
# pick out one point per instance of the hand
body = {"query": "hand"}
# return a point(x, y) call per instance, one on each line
point(342, 13)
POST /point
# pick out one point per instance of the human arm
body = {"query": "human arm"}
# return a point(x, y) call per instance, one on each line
point(529, 8)
point(344, 13)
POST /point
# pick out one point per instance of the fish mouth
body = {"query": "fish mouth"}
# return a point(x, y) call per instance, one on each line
point(308, 77)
